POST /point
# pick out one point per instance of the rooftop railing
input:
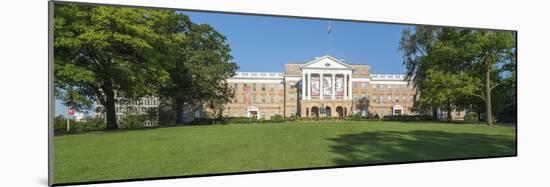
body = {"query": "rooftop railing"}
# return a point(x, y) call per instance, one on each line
point(258, 75)
point(387, 76)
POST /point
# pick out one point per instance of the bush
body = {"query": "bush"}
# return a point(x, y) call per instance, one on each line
point(60, 124)
point(90, 124)
point(470, 116)
point(132, 121)
point(234, 120)
point(87, 124)
point(408, 118)
point(356, 117)
point(277, 118)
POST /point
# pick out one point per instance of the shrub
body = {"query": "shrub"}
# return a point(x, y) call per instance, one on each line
point(90, 124)
point(132, 121)
point(60, 124)
point(234, 120)
point(356, 117)
point(408, 118)
point(470, 116)
point(277, 118)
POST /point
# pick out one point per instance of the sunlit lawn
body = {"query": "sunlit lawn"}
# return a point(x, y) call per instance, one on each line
point(195, 150)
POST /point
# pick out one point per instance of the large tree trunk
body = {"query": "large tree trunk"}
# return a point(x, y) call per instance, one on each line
point(479, 113)
point(110, 110)
point(488, 111)
point(449, 115)
point(449, 109)
point(179, 112)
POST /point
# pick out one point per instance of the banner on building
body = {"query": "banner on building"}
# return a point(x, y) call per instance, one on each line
point(339, 83)
point(246, 95)
point(327, 86)
point(315, 86)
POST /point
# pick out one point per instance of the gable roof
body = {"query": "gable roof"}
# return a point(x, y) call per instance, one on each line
point(327, 57)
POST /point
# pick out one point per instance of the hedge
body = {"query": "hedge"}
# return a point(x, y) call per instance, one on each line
point(408, 118)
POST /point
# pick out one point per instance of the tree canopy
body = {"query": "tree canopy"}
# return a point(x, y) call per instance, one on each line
point(106, 54)
point(451, 66)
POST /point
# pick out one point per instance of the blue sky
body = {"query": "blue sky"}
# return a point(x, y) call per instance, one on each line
point(266, 43)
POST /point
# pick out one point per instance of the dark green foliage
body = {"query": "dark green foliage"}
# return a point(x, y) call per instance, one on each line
point(409, 118)
point(87, 124)
point(132, 121)
point(277, 119)
point(470, 116)
point(60, 124)
point(91, 124)
point(457, 68)
point(357, 117)
point(136, 52)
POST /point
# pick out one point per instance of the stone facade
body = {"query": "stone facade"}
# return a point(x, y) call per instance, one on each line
point(325, 82)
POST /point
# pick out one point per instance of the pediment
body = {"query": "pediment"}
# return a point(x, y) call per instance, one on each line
point(326, 62)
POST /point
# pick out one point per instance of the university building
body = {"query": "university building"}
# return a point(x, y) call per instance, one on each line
point(304, 90)
point(324, 82)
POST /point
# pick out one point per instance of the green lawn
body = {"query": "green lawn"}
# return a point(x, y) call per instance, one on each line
point(196, 150)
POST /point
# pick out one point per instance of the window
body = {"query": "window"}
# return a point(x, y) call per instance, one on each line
point(396, 98)
point(263, 99)
point(363, 95)
point(355, 96)
point(254, 87)
point(235, 87)
point(253, 99)
point(271, 87)
point(235, 100)
point(263, 87)
point(272, 99)
point(373, 98)
point(374, 86)
point(381, 87)
point(389, 86)
point(281, 86)
point(363, 85)
point(354, 84)
point(244, 87)
point(381, 98)
point(389, 99)
point(280, 99)
point(291, 84)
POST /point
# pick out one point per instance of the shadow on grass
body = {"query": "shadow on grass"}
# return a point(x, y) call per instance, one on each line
point(420, 145)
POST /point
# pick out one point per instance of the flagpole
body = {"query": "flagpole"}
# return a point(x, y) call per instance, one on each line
point(68, 126)
point(329, 37)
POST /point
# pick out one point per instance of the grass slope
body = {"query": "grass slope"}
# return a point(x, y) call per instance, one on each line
point(243, 147)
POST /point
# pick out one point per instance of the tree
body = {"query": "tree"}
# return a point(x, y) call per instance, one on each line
point(104, 53)
point(199, 65)
point(216, 104)
point(447, 91)
point(475, 56)
point(362, 104)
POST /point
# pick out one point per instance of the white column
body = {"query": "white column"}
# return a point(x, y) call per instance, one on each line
point(303, 85)
point(345, 86)
point(321, 85)
point(333, 86)
point(350, 83)
point(308, 86)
